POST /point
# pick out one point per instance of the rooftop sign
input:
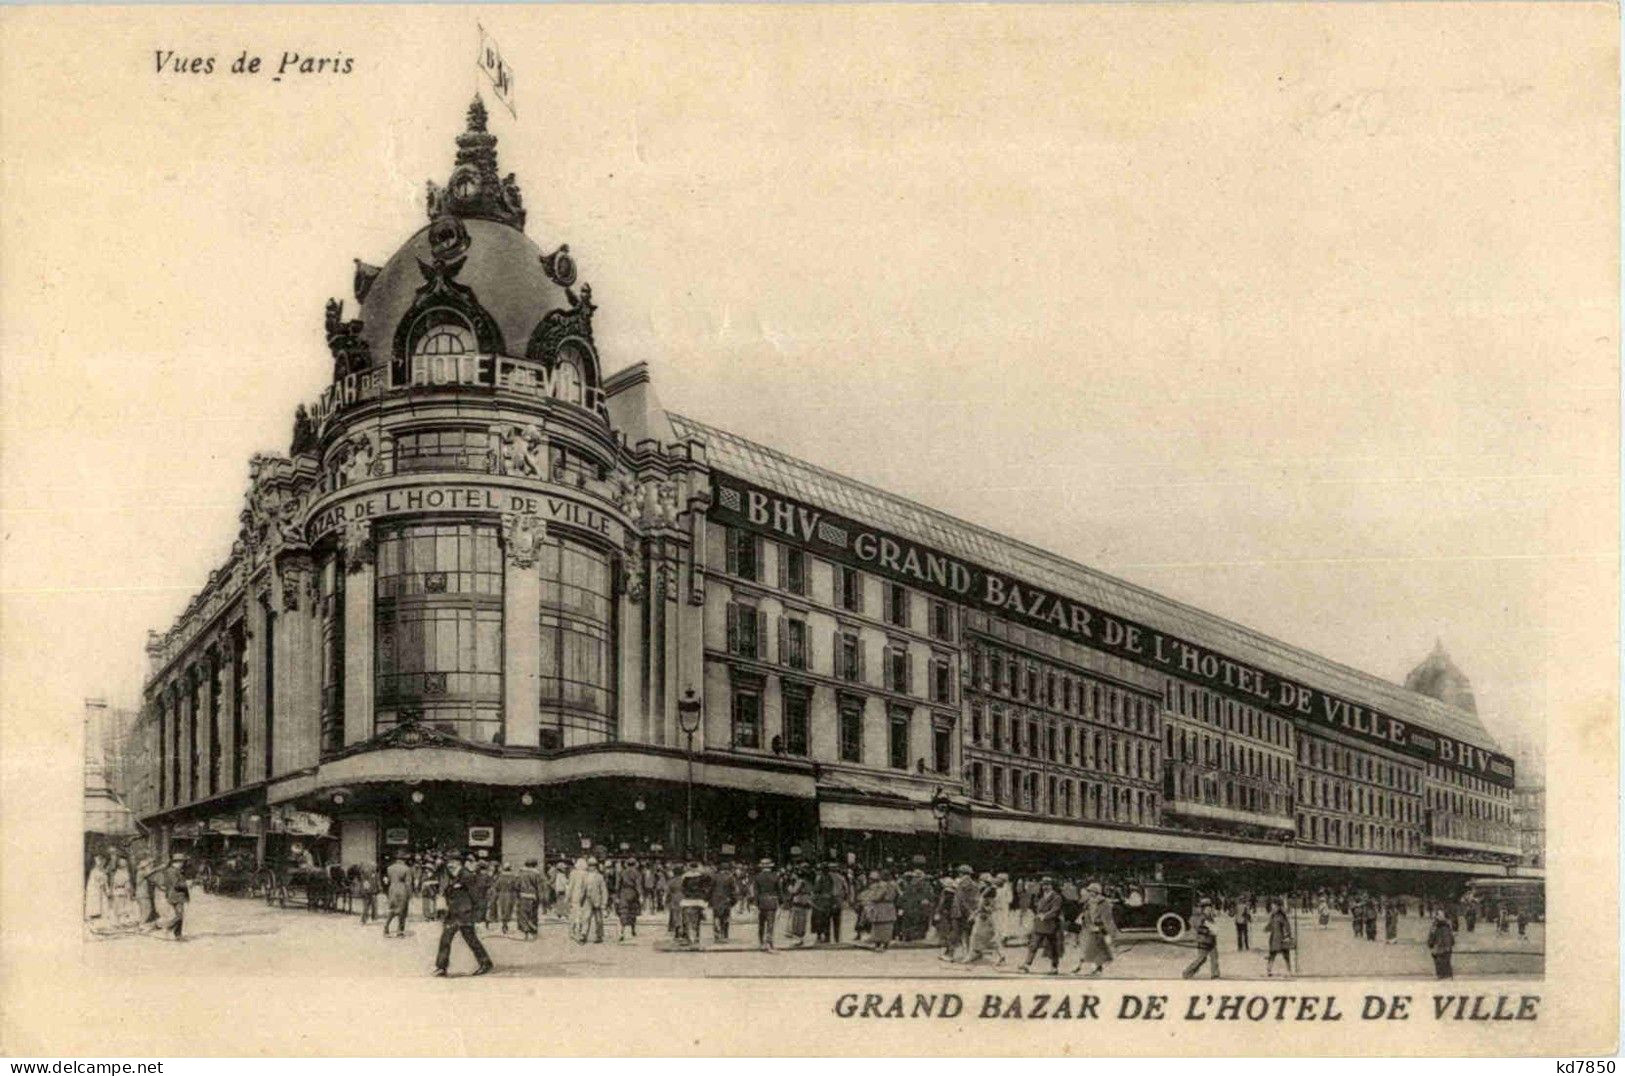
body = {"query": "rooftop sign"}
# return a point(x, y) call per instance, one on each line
point(740, 503)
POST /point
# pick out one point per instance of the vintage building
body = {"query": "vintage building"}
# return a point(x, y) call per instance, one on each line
point(494, 598)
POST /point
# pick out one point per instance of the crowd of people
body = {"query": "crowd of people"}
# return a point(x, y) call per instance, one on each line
point(972, 917)
point(149, 897)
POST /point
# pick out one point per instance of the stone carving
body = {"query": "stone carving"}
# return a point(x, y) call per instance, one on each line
point(291, 575)
point(520, 451)
point(304, 433)
point(560, 325)
point(632, 576)
point(560, 267)
point(351, 354)
point(448, 239)
point(624, 494)
point(356, 541)
point(475, 188)
point(523, 534)
point(355, 459)
point(364, 276)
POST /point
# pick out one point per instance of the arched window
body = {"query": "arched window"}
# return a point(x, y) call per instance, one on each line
point(441, 332)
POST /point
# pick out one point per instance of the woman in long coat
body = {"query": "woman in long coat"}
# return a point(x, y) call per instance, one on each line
point(1099, 928)
point(985, 937)
point(122, 889)
point(879, 901)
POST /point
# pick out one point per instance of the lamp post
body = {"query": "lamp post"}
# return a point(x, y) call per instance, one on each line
point(939, 807)
point(688, 719)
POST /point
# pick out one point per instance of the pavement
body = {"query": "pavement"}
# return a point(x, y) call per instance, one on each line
point(230, 936)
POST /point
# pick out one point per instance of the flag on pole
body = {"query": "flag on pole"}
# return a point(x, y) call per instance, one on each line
point(496, 70)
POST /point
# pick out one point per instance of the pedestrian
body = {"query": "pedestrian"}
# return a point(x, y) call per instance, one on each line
point(1045, 935)
point(1523, 923)
point(798, 890)
point(146, 908)
point(1323, 913)
point(1390, 923)
point(1004, 902)
point(695, 886)
point(178, 893)
point(1100, 930)
point(464, 899)
point(507, 887)
point(96, 892)
point(1207, 943)
point(398, 890)
point(879, 901)
point(984, 931)
point(823, 902)
point(1279, 929)
point(531, 884)
point(367, 893)
point(967, 898)
point(1372, 909)
point(1470, 913)
point(1243, 916)
point(1441, 943)
point(673, 902)
point(768, 889)
point(628, 901)
point(724, 894)
point(844, 892)
point(596, 899)
point(121, 893)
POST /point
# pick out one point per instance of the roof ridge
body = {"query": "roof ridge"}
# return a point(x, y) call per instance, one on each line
point(1439, 709)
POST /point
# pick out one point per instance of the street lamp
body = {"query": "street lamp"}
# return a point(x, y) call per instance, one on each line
point(939, 807)
point(688, 719)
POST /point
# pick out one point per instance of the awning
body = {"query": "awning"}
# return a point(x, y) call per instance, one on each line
point(868, 817)
point(106, 816)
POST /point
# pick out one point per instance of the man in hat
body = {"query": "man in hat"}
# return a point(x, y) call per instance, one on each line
point(967, 899)
point(398, 886)
point(177, 892)
point(507, 894)
point(596, 899)
point(943, 914)
point(724, 892)
point(695, 889)
point(768, 892)
point(1046, 930)
point(1098, 928)
point(575, 900)
point(463, 902)
point(1207, 942)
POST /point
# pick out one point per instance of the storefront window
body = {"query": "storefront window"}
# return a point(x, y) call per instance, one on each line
point(577, 645)
point(442, 450)
point(439, 628)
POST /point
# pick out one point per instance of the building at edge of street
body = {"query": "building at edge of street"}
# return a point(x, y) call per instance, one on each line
point(492, 598)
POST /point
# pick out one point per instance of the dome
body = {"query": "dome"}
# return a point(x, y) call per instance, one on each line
point(469, 282)
point(1437, 677)
point(501, 268)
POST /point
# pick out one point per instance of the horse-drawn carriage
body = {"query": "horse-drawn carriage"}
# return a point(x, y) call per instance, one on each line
point(293, 885)
point(235, 876)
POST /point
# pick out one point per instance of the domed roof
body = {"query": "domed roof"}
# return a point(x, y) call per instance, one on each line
point(1437, 677)
point(471, 264)
point(501, 267)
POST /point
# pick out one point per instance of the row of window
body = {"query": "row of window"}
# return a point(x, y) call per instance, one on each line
point(1208, 749)
point(901, 606)
point(747, 637)
point(1227, 714)
point(477, 449)
point(1348, 762)
point(795, 708)
point(1444, 800)
point(1188, 785)
point(1467, 782)
point(1346, 833)
point(1332, 794)
point(1066, 743)
point(997, 671)
point(1061, 796)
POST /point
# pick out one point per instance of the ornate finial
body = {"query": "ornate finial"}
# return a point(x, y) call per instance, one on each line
point(364, 276)
point(304, 433)
point(476, 188)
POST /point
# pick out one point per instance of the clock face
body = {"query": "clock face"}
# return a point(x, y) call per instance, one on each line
point(465, 187)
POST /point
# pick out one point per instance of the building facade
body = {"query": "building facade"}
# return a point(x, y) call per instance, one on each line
point(493, 598)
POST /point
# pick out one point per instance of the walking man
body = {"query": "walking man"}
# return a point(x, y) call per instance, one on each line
point(724, 894)
point(398, 881)
point(1279, 930)
point(178, 893)
point(1207, 943)
point(766, 885)
point(1046, 928)
point(530, 899)
point(463, 905)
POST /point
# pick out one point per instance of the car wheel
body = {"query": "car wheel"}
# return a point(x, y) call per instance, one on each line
point(1171, 926)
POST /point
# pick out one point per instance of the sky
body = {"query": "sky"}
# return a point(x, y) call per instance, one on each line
point(1305, 321)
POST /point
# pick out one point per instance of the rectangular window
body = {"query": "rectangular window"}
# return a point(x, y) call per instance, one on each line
point(744, 554)
point(796, 707)
point(942, 678)
point(848, 656)
point(747, 719)
point(851, 730)
point(793, 642)
point(747, 630)
point(998, 784)
point(1054, 744)
point(942, 621)
point(897, 604)
point(942, 746)
point(793, 569)
point(978, 781)
point(977, 718)
point(1034, 747)
point(897, 738)
point(849, 581)
point(897, 668)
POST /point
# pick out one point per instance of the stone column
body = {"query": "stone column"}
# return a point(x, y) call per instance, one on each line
point(358, 841)
point(253, 693)
point(522, 537)
point(358, 628)
point(522, 836)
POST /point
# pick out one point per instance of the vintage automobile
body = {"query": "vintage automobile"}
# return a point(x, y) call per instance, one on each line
point(295, 885)
point(1162, 907)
